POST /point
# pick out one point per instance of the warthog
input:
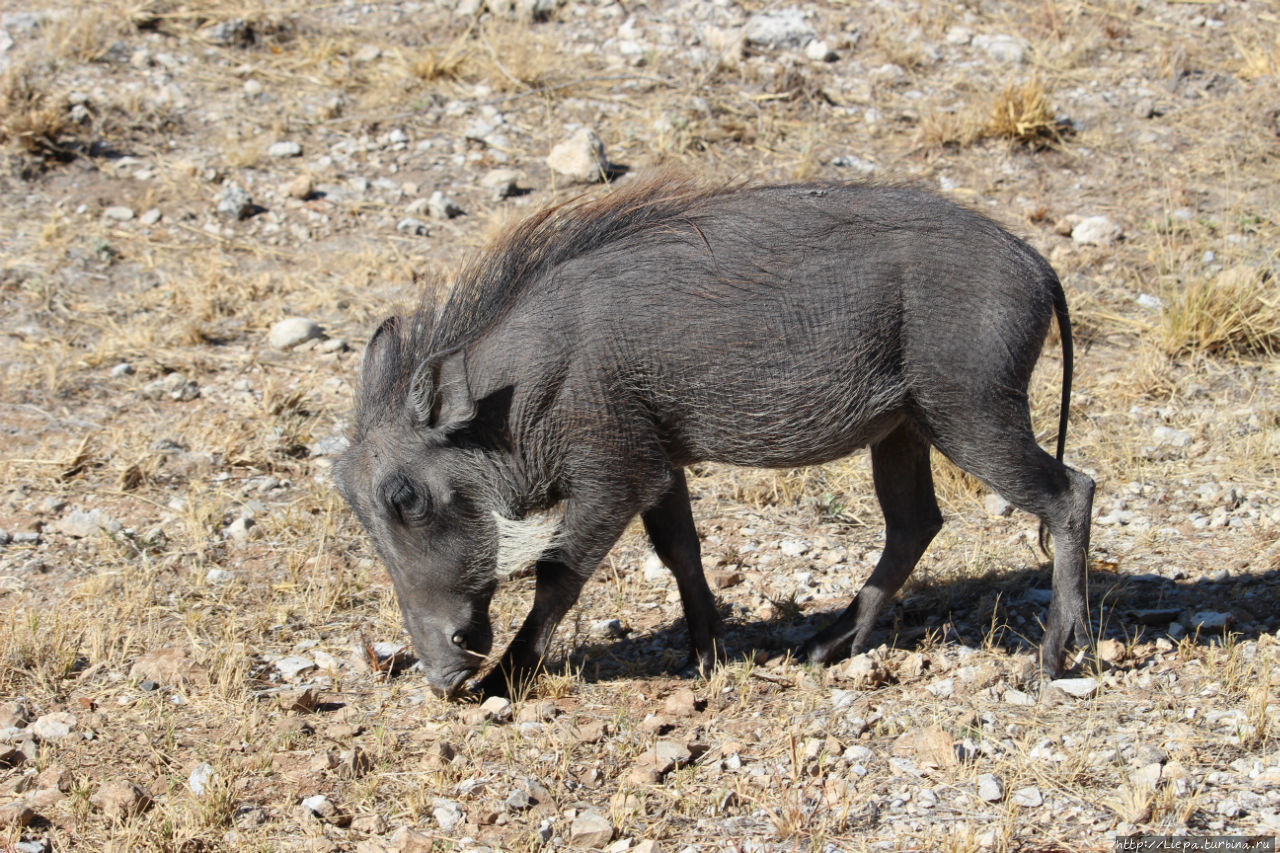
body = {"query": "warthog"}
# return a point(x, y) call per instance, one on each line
point(603, 345)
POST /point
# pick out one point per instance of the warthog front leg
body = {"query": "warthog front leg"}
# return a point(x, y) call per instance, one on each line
point(675, 539)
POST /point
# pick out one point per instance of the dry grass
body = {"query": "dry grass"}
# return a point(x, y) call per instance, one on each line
point(30, 117)
point(1022, 112)
point(1259, 59)
point(1235, 313)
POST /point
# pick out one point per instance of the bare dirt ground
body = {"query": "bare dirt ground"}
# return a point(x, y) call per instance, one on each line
point(198, 651)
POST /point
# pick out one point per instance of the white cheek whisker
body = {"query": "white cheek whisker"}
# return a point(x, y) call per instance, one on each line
point(522, 542)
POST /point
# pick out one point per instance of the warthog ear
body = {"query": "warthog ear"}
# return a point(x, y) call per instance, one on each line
point(439, 393)
point(381, 360)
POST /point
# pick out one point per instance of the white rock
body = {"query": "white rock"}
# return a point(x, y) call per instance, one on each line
point(793, 547)
point(441, 206)
point(216, 575)
point(410, 225)
point(1017, 697)
point(1002, 48)
point(783, 28)
point(590, 829)
point(240, 530)
point(501, 183)
point(53, 727)
point(990, 788)
point(284, 149)
point(447, 813)
point(1096, 231)
point(80, 524)
point(819, 51)
point(608, 628)
point(1081, 688)
point(942, 688)
point(201, 777)
point(1210, 620)
point(288, 333)
point(151, 217)
point(118, 213)
point(294, 666)
point(653, 568)
point(497, 708)
point(1147, 776)
point(320, 806)
point(1172, 437)
point(996, 505)
point(580, 158)
point(1028, 797)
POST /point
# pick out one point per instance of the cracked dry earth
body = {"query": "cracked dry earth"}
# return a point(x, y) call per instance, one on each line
point(198, 651)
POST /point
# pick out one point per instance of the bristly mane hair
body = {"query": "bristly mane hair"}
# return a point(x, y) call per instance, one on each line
point(490, 281)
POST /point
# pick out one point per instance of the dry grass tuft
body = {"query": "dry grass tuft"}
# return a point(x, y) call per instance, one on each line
point(1022, 113)
point(1259, 60)
point(32, 118)
point(1236, 313)
point(441, 64)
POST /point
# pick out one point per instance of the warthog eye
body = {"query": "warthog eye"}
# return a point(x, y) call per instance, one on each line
point(408, 503)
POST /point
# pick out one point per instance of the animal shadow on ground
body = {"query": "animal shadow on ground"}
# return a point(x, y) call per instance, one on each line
point(1003, 610)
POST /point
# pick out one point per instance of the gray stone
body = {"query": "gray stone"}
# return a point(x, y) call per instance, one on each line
point(151, 217)
point(412, 226)
point(233, 32)
point(990, 788)
point(124, 368)
point(580, 158)
point(608, 628)
point(234, 203)
point(218, 576)
point(171, 386)
point(441, 206)
point(1096, 231)
point(501, 183)
point(118, 213)
point(590, 829)
point(778, 29)
point(292, 331)
point(855, 164)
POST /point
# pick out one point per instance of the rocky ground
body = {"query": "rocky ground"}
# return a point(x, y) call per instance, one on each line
point(208, 205)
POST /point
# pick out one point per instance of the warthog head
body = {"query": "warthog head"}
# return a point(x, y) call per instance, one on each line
point(426, 480)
